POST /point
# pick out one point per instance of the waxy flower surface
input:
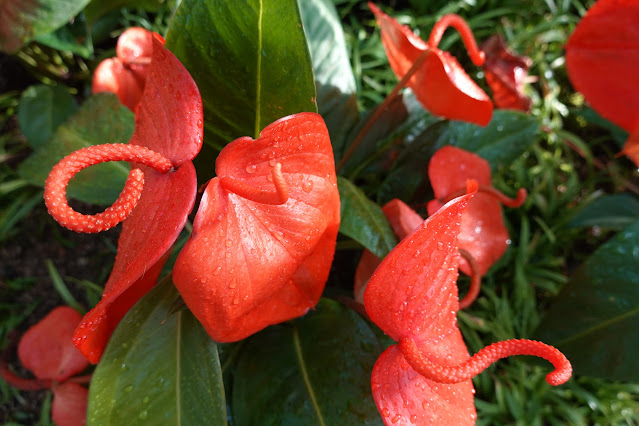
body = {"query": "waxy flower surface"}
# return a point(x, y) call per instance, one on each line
point(157, 197)
point(264, 235)
point(412, 297)
point(440, 83)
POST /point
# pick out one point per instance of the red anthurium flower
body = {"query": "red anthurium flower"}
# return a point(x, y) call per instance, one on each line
point(168, 135)
point(506, 74)
point(440, 84)
point(47, 350)
point(426, 378)
point(264, 235)
point(125, 75)
point(483, 233)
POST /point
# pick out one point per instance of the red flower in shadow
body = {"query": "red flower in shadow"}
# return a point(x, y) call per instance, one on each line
point(168, 135)
point(264, 235)
point(440, 83)
point(125, 75)
point(47, 350)
point(506, 74)
point(426, 378)
point(602, 60)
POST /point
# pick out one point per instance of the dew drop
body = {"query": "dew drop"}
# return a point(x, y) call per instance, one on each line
point(145, 400)
point(229, 243)
point(307, 186)
point(143, 415)
point(236, 301)
point(385, 412)
point(129, 388)
point(251, 168)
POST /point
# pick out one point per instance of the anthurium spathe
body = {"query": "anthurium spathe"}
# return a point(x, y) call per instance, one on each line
point(412, 297)
point(156, 199)
point(264, 235)
point(483, 233)
point(125, 74)
point(506, 74)
point(440, 83)
point(46, 349)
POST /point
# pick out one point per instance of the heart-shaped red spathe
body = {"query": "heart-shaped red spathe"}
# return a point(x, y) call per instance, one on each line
point(47, 350)
point(506, 74)
point(602, 60)
point(441, 84)
point(168, 121)
point(249, 265)
point(413, 294)
point(403, 220)
point(483, 233)
point(69, 407)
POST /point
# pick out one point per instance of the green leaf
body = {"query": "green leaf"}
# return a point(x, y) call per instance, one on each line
point(22, 21)
point(159, 368)
point(316, 372)
point(595, 318)
point(334, 77)
point(363, 220)
point(41, 110)
point(508, 135)
point(101, 119)
point(74, 38)
point(614, 211)
point(249, 59)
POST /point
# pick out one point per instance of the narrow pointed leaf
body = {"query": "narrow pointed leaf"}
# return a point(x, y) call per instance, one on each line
point(249, 59)
point(159, 368)
point(594, 320)
point(314, 372)
point(364, 221)
point(614, 211)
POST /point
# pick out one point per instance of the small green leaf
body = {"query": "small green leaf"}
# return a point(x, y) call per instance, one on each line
point(334, 77)
point(316, 372)
point(595, 318)
point(101, 119)
point(614, 211)
point(363, 220)
point(249, 59)
point(159, 368)
point(22, 21)
point(41, 110)
point(74, 37)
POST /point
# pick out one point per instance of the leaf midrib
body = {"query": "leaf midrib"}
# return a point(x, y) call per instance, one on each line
point(609, 322)
point(258, 93)
point(307, 381)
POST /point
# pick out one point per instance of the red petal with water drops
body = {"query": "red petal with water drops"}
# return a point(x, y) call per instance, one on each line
point(69, 407)
point(405, 397)
point(47, 350)
point(602, 59)
point(506, 74)
point(168, 121)
point(248, 264)
point(441, 84)
point(403, 220)
point(413, 292)
point(483, 233)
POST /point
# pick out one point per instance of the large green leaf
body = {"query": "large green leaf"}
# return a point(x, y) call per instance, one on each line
point(101, 119)
point(614, 211)
point(249, 59)
point(315, 372)
point(160, 368)
point(595, 318)
point(363, 220)
point(334, 77)
point(21, 20)
point(41, 110)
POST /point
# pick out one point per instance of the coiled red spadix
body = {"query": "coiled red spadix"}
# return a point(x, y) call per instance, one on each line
point(441, 84)
point(264, 235)
point(412, 297)
point(168, 135)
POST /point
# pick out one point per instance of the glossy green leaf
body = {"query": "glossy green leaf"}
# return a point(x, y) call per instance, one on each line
point(159, 368)
point(22, 21)
point(249, 59)
point(614, 211)
point(363, 220)
point(334, 79)
point(508, 135)
point(313, 372)
point(101, 119)
point(595, 318)
point(41, 110)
